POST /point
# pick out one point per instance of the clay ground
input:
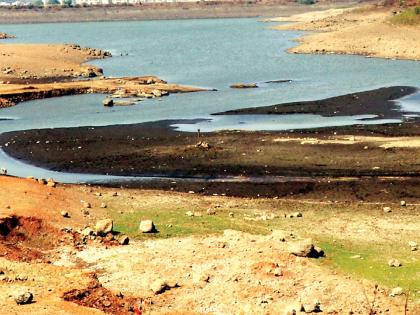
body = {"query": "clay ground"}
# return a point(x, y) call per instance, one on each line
point(217, 268)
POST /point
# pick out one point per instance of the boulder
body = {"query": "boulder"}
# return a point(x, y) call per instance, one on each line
point(159, 286)
point(387, 209)
point(403, 203)
point(396, 291)
point(103, 227)
point(394, 263)
point(24, 298)
point(305, 248)
point(413, 245)
point(108, 102)
point(123, 240)
point(147, 226)
point(65, 214)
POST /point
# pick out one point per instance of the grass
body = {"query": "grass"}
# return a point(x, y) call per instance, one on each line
point(168, 214)
point(174, 223)
point(408, 17)
point(373, 265)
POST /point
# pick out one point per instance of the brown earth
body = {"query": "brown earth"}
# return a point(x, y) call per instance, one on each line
point(361, 31)
point(224, 273)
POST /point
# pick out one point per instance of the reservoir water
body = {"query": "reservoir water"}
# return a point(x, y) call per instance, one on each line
point(211, 53)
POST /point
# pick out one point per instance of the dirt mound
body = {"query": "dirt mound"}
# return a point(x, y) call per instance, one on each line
point(96, 296)
point(25, 238)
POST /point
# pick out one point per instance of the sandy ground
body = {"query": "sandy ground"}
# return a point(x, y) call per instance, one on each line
point(37, 61)
point(32, 71)
point(227, 273)
point(361, 31)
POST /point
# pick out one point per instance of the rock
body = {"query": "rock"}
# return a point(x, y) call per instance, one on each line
point(356, 257)
point(189, 214)
point(123, 240)
point(159, 286)
point(387, 209)
point(295, 215)
point(403, 203)
point(108, 102)
point(211, 211)
point(65, 214)
point(314, 307)
point(42, 181)
point(394, 263)
point(281, 235)
point(244, 86)
point(231, 214)
point(147, 226)
point(305, 248)
point(51, 182)
point(413, 245)
point(103, 205)
point(24, 298)
point(87, 231)
point(396, 291)
point(3, 171)
point(103, 227)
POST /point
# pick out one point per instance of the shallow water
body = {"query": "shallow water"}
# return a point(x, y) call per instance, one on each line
point(210, 53)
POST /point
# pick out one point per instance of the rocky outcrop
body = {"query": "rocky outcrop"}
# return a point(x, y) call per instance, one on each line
point(6, 36)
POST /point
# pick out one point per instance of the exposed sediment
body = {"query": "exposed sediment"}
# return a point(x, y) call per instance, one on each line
point(379, 102)
point(147, 87)
point(363, 31)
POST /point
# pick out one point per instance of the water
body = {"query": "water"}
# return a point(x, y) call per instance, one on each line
point(208, 53)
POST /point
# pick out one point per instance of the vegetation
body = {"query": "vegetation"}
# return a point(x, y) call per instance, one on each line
point(171, 220)
point(408, 17)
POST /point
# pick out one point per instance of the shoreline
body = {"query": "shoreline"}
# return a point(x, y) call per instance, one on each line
point(157, 149)
point(363, 31)
point(167, 11)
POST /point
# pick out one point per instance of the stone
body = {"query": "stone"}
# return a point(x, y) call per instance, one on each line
point(396, 291)
point(103, 205)
point(295, 215)
point(42, 181)
point(3, 171)
point(403, 203)
point(51, 182)
point(24, 298)
point(108, 102)
point(189, 214)
point(394, 263)
point(103, 227)
point(159, 286)
point(123, 240)
point(87, 231)
point(387, 209)
point(147, 226)
point(305, 248)
point(211, 211)
point(413, 245)
point(65, 214)
point(356, 257)
point(244, 86)
point(314, 307)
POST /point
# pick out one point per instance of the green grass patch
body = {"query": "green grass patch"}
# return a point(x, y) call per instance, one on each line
point(174, 222)
point(374, 264)
point(408, 17)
